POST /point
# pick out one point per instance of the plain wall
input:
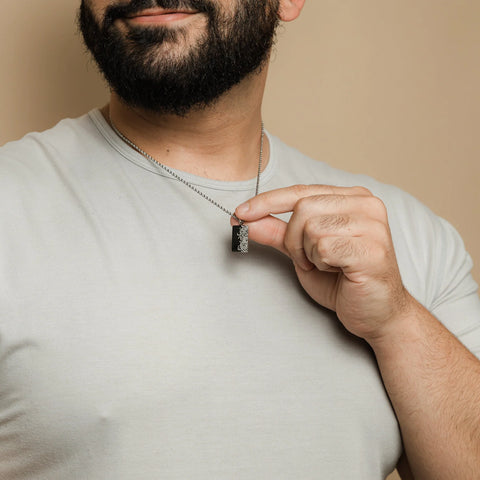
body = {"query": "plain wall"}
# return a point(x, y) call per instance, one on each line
point(387, 88)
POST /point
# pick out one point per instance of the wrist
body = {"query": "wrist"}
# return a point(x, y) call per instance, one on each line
point(401, 325)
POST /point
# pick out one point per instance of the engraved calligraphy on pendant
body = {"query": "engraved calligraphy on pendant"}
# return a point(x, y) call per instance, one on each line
point(240, 238)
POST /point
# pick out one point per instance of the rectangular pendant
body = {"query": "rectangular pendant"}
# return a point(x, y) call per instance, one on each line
point(240, 238)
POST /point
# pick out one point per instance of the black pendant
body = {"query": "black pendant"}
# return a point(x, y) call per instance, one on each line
point(240, 238)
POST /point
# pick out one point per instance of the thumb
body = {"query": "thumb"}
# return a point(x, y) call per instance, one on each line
point(268, 231)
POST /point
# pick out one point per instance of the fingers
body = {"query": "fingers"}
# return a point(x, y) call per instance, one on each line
point(339, 253)
point(268, 231)
point(340, 243)
point(324, 252)
point(284, 200)
point(303, 230)
point(327, 227)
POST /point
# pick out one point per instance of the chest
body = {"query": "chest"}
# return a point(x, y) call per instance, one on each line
point(160, 357)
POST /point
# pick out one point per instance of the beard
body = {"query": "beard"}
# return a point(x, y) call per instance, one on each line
point(143, 67)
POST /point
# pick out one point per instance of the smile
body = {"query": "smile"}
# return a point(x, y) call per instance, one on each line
point(157, 16)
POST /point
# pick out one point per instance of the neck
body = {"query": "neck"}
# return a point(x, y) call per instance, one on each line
point(221, 142)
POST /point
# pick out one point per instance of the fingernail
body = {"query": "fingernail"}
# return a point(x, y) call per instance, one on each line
point(243, 208)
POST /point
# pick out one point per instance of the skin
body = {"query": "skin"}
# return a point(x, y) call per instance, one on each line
point(341, 246)
point(340, 243)
point(201, 142)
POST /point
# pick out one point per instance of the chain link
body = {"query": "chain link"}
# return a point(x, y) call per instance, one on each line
point(185, 182)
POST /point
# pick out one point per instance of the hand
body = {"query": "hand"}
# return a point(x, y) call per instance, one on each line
point(340, 243)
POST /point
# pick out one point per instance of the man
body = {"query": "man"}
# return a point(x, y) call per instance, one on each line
point(134, 344)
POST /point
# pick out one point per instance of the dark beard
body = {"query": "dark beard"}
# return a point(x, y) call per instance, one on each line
point(231, 49)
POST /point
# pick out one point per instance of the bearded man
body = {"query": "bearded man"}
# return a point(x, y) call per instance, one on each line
point(135, 344)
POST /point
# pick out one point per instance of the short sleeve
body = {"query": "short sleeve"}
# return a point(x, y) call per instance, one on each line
point(434, 264)
point(456, 303)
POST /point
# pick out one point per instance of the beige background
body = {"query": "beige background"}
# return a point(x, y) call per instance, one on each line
point(388, 88)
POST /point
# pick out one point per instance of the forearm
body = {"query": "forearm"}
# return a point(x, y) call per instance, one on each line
point(434, 385)
point(340, 242)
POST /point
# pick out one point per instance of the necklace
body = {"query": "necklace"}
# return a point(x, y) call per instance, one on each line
point(239, 232)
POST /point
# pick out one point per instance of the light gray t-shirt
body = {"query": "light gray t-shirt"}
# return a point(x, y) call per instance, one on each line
point(135, 345)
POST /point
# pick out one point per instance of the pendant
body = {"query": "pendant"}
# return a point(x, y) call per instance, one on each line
point(240, 238)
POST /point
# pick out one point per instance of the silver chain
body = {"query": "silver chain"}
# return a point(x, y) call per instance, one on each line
point(185, 182)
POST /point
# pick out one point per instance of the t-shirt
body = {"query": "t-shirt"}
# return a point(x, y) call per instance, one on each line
point(135, 345)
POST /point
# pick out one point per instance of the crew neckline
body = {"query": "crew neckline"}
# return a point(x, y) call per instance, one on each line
point(139, 160)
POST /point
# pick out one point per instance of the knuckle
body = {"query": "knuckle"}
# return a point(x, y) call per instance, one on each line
point(319, 255)
point(322, 249)
point(380, 250)
point(310, 228)
point(376, 207)
point(378, 229)
point(363, 191)
point(302, 206)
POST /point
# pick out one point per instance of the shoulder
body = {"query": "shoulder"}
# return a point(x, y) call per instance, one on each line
point(64, 132)
point(66, 136)
point(39, 156)
point(430, 252)
point(43, 166)
point(294, 165)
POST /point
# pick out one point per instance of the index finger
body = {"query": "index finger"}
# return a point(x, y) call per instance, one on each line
point(283, 200)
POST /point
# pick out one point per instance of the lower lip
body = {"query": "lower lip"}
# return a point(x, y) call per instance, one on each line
point(161, 19)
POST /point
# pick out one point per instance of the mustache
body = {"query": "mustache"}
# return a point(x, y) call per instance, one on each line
point(124, 9)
